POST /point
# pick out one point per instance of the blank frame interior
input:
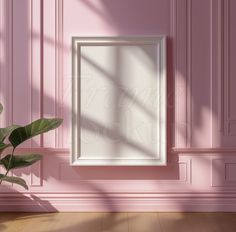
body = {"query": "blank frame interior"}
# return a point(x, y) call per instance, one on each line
point(119, 101)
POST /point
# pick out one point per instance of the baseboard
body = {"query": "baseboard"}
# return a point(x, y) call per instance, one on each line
point(77, 202)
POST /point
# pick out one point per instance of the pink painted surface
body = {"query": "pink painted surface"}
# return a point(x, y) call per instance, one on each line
point(35, 68)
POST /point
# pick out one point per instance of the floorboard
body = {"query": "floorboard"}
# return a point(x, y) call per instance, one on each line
point(118, 222)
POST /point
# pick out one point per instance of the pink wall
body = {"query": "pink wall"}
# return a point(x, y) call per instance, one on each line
point(35, 68)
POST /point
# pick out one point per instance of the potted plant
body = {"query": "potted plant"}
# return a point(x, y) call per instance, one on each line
point(14, 135)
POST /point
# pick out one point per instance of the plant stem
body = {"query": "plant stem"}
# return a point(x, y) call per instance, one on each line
point(9, 164)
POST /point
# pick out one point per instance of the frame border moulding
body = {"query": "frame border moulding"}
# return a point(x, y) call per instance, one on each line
point(160, 43)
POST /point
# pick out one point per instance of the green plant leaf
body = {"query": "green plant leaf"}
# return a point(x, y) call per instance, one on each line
point(19, 161)
point(4, 132)
point(4, 146)
point(1, 108)
point(21, 134)
point(14, 180)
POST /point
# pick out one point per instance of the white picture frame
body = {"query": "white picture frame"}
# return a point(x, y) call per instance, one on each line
point(92, 59)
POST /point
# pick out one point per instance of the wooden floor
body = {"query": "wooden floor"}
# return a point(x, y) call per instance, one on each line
point(123, 222)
